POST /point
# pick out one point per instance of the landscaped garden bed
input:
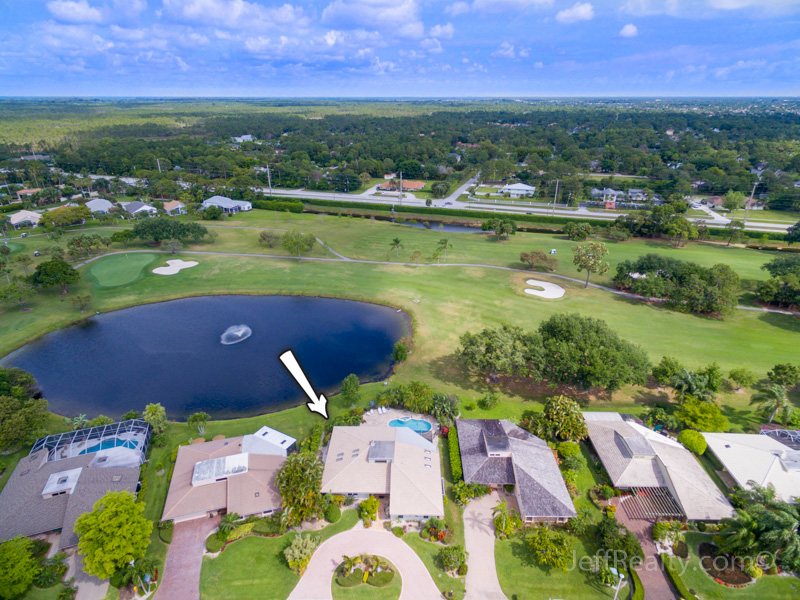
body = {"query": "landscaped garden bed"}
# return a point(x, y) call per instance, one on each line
point(722, 567)
point(365, 569)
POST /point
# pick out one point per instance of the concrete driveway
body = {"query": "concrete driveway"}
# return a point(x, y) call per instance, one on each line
point(482, 582)
point(316, 582)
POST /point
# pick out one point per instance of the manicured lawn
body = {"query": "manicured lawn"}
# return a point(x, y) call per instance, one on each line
point(784, 216)
point(429, 554)
point(368, 592)
point(254, 567)
point(770, 587)
point(50, 593)
point(122, 269)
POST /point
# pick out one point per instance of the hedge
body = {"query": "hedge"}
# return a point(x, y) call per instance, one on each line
point(291, 206)
point(241, 531)
point(675, 578)
point(455, 455)
point(381, 579)
point(638, 588)
point(352, 579)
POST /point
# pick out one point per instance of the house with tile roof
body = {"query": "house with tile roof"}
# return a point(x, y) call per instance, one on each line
point(236, 475)
point(174, 207)
point(665, 479)
point(393, 462)
point(25, 218)
point(393, 185)
point(496, 453)
point(66, 474)
point(758, 458)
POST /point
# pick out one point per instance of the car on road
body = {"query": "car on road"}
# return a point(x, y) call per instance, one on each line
point(696, 205)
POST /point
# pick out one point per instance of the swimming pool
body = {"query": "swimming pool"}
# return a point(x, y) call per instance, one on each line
point(111, 443)
point(417, 425)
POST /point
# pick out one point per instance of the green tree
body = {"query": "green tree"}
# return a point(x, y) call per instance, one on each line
point(113, 534)
point(55, 272)
point(299, 482)
point(400, 352)
point(18, 292)
point(199, 420)
point(565, 418)
point(396, 245)
point(213, 213)
point(735, 229)
point(538, 260)
point(156, 415)
point(351, 390)
point(100, 420)
point(452, 557)
point(785, 374)
point(666, 369)
point(693, 441)
point(440, 189)
point(703, 416)
point(78, 422)
point(577, 232)
point(742, 377)
point(123, 237)
point(194, 231)
point(269, 238)
point(793, 234)
point(690, 384)
point(171, 246)
point(733, 200)
point(501, 514)
point(297, 243)
point(551, 549)
point(158, 229)
point(25, 261)
point(589, 258)
point(82, 302)
point(444, 244)
point(772, 400)
point(18, 567)
point(227, 524)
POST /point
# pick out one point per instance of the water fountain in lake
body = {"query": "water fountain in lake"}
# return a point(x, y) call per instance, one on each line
point(235, 334)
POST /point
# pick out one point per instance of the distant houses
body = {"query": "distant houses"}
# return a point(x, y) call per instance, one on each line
point(23, 195)
point(244, 138)
point(227, 205)
point(138, 208)
point(518, 190)
point(393, 185)
point(393, 462)
point(24, 218)
point(65, 474)
point(235, 475)
point(498, 453)
point(664, 478)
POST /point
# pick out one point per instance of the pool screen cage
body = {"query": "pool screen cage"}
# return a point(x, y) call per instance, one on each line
point(134, 432)
point(652, 502)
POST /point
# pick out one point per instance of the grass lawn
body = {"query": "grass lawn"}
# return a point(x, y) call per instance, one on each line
point(694, 576)
point(254, 567)
point(50, 593)
point(368, 592)
point(429, 554)
point(121, 269)
point(521, 577)
point(783, 216)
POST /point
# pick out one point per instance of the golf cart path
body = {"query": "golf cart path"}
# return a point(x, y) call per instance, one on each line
point(342, 258)
point(315, 584)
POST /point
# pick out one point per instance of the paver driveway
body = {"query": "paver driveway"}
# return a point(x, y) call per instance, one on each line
point(316, 582)
point(482, 582)
point(181, 576)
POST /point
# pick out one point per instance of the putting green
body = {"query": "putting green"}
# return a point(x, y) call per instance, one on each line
point(121, 269)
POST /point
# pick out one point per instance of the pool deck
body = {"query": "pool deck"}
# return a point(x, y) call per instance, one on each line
point(394, 413)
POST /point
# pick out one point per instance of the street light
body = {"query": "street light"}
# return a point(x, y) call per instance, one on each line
point(621, 578)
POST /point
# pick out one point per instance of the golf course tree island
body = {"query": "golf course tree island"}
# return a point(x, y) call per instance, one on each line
point(565, 349)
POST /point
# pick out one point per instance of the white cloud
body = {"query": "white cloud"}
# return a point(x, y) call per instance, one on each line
point(238, 14)
point(432, 45)
point(398, 16)
point(443, 31)
point(73, 11)
point(457, 8)
point(769, 5)
point(506, 50)
point(130, 8)
point(740, 65)
point(333, 37)
point(538, 65)
point(581, 11)
point(127, 34)
point(629, 31)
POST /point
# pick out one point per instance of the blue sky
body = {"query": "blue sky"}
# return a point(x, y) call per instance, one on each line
point(399, 47)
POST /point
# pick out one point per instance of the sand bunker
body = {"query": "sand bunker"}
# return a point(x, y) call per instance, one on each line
point(550, 291)
point(175, 266)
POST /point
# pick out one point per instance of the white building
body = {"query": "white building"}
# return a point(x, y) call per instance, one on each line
point(139, 208)
point(24, 218)
point(99, 206)
point(228, 205)
point(518, 190)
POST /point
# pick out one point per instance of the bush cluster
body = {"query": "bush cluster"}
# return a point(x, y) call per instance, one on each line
point(455, 455)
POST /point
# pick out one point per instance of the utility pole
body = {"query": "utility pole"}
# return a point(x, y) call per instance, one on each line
point(158, 162)
point(554, 198)
point(269, 180)
point(749, 202)
point(401, 188)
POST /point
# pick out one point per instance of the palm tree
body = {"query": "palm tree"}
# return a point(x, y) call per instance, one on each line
point(199, 419)
point(773, 399)
point(348, 562)
point(395, 245)
point(782, 537)
point(79, 422)
point(228, 523)
point(502, 510)
point(444, 244)
point(740, 535)
point(688, 383)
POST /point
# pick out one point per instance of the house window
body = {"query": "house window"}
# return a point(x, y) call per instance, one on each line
point(427, 458)
point(339, 459)
point(427, 466)
point(427, 451)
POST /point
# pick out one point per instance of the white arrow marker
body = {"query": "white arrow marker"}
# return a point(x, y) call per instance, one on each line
point(317, 405)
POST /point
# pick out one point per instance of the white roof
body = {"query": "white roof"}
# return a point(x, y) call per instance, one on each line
point(63, 481)
point(224, 202)
point(759, 458)
point(99, 205)
point(636, 456)
point(23, 216)
point(217, 469)
point(267, 441)
point(519, 187)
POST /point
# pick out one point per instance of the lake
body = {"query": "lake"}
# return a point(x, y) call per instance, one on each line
point(171, 353)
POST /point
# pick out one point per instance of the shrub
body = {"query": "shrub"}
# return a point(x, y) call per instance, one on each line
point(660, 530)
point(462, 570)
point(568, 449)
point(214, 544)
point(680, 549)
point(240, 531)
point(509, 488)
point(350, 579)
point(452, 557)
point(398, 531)
point(680, 587)
point(381, 578)
point(368, 510)
point(39, 548)
point(400, 352)
point(464, 492)
point(753, 570)
point(573, 463)
point(489, 401)
point(349, 500)
point(299, 552)
point(638, 588)
point(338, 499)
point(270, 525)
point(470, 406)
point(606, 492)
point(455, 455)
point(332, 513)
point(52, 571)
point(693, 441)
